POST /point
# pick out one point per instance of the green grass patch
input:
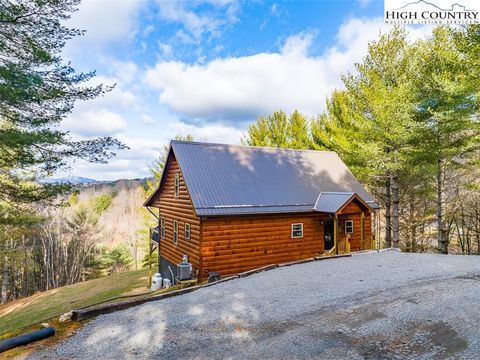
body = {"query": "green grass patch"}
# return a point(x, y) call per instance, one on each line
point(19, 314)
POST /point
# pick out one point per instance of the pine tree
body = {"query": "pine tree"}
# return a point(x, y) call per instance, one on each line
point(278, 130)
point(448, 136)
point(38, 91)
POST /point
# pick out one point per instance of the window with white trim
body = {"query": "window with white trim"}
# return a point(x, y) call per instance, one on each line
point(297, 231)
point(349, 227)
point(175, 231)
point(187, 231)
point(162, 227)
point(177, 184)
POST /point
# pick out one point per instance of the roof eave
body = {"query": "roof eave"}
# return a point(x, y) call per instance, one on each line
point(148, 202)
point(257, 213)
point(354, 196)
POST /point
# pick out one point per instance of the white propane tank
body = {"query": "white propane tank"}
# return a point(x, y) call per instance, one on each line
point(156, 282)
point(166, 283)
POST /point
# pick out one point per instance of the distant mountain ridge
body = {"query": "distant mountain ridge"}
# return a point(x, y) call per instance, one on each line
point(80, 180)
point(75, 180)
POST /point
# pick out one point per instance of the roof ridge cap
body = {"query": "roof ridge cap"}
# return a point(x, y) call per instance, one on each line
point(248, 146)
point(337, 192)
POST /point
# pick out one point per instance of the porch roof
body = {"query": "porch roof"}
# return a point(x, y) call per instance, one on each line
point(332, 202)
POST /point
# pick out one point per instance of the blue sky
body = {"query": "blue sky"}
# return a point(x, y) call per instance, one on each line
point(208, 68)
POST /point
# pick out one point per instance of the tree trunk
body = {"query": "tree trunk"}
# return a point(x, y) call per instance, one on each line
point(465, 231)
point(388, 219)
point(459, 237)
point(412, 226)
point(396, 201)
point(441, 232)
point(45, 264)
point(477, 228)
point(4, 280)
point(15, 291)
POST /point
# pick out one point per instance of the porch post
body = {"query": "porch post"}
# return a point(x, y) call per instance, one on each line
point(362, 230)
point(335, 233)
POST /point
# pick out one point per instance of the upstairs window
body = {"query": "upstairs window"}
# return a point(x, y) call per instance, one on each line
point(297, 231)
point(187, 231)
point(162, 227)
point(349, 227)
point(177, 184)
point(175, 231)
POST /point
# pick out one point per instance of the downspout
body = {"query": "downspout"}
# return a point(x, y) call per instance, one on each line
point(151, 212)
point(173, 277)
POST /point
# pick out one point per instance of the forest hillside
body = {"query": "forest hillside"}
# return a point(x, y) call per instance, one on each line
point(100, 228)
point(122, 221)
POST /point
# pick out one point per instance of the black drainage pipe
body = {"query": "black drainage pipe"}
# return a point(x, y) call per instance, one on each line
point(27, 338)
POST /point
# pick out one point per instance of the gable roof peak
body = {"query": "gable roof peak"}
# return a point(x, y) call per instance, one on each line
point(248, 147)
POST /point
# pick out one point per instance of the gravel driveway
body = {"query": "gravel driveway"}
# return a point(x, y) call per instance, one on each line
point(384, 305)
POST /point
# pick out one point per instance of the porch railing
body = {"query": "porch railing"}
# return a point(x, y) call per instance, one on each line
point(343, 247)
point(154, 235)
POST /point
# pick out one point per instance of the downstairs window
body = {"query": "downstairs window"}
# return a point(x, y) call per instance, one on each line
point(297, 231)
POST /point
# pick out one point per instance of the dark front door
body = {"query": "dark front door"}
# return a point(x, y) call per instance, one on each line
point(328, 235)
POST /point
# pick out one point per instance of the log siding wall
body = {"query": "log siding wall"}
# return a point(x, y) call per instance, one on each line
point(181, 209)
point(234, 244)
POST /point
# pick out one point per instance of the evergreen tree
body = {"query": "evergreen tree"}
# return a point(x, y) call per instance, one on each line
point(37, 92)
point(448, 136)
point(278, 130)
point(339, 129)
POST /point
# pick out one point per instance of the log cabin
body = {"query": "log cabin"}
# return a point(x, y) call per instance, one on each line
point(235, 208)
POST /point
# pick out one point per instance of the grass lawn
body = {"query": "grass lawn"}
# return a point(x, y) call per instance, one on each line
point(17, 316)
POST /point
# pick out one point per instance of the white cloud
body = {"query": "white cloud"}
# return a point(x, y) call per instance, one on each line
point(125, 72)
point(117, 97)
point(140, 148)
point(131, 163)
point(95, 123)
point(198, 22)
point(166, 49)
point(106, 20)
point(245, 87)
point(298, 45)
point(135, 161)
point(147, 119)
point(211, 132)
point(275, 11)
point(101, 116)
